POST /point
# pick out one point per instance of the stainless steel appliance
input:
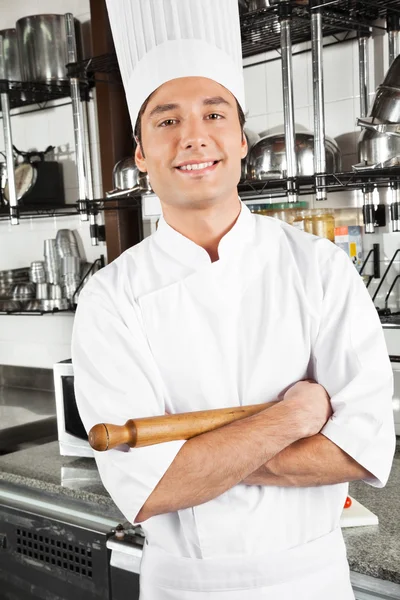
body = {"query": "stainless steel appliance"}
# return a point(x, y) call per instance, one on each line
point(62, 548)
point(72, 437)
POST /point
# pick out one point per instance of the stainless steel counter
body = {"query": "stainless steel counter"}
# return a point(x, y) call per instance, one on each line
point(26, 416)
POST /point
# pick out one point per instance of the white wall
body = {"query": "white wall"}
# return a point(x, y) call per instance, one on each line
point(342, 106)
point(42, 340)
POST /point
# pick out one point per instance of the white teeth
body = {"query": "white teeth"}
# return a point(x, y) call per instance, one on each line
point(196, 166)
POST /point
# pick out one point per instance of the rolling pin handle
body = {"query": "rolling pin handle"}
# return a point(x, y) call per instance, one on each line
point(98, 437)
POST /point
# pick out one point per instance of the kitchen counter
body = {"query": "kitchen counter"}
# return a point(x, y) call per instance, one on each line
point(372, 550)
point(26, 415)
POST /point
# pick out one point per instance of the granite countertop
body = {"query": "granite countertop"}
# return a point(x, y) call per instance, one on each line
point(372, 550)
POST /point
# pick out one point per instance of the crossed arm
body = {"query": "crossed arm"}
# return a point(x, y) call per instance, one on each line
point(309, 462)
point(280, 446)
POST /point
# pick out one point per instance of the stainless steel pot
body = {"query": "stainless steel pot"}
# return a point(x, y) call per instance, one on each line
point(267, 158)
point(9, 59)
point(42, 43)
point(127, 179)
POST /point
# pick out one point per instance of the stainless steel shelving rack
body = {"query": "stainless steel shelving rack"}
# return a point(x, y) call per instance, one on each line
point(261, 32)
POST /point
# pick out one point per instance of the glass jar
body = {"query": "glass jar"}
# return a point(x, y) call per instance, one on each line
point(323, 223)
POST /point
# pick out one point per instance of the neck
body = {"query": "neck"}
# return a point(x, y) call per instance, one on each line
point(205, 226)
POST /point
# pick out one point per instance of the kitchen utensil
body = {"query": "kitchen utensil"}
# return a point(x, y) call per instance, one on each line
point(37, 272)
point(42, 291)
point(57, 304)
point(376, 148)
point(42, 43)
point(127, 179)
point(252, 138)
point(9, 62)
point(55, 291)
point(267, 158)
point(15, 275)
point(51, 261)
point(386, 106)
point(67, 244)
point(23, 291)
point(155, 430)
point(33, 305)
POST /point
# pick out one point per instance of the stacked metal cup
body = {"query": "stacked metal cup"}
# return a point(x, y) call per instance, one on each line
point(67, 244)
point(70, 275)
point(51, 261)
point(37, 275)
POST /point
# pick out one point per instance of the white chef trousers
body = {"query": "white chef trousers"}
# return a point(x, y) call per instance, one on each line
point(317, 570)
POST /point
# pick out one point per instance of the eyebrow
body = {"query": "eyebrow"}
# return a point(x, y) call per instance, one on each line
point(162, 108)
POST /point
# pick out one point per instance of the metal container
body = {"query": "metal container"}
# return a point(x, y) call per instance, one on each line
point(252, 138)
point(126, 176)
point(127, 179)
point(9, 60)
point(376, 148)
point(42, 43)
point(386, 106)
point(267, 158)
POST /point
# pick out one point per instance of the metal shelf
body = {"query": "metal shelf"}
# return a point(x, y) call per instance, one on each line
point(23, 93)
point(261, 29)
point(334, 182)
point(39, 313)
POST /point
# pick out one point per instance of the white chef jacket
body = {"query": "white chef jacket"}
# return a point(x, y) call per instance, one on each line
point(162, 328)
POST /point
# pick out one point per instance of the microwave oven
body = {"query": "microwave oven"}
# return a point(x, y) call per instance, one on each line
point(72, 436)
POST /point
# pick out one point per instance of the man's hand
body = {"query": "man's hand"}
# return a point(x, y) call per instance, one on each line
point(313, 460)
point(311, 402)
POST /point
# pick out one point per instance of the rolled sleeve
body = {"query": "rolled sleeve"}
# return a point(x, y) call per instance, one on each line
point(116, 379)
point(352, 363)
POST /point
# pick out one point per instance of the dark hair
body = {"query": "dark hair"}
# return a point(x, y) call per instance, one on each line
point(138, 126)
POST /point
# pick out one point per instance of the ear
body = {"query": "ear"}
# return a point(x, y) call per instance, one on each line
point(140, 159)
point(244, 148)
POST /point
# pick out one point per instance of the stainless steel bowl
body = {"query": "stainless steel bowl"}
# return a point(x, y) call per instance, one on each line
point(24, 291)
point(392, 77)
point(267, 158)
point(376, 148)
point(386, 106)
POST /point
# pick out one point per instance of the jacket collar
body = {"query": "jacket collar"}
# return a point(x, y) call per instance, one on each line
point(191, 254)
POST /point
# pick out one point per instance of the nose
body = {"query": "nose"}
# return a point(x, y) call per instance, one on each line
point(193, 134)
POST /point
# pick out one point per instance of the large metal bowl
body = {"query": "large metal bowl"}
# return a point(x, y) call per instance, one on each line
point(267, 158)
point(375, 148)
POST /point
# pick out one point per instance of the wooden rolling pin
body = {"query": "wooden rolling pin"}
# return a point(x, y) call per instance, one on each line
point(167, 428)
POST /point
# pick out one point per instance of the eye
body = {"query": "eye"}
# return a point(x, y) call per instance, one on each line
point(167, 122)
point(215, 116)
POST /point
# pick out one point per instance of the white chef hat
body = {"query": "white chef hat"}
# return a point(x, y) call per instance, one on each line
point(160, 40)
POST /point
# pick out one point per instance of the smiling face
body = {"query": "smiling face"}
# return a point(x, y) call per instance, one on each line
point(192, 143)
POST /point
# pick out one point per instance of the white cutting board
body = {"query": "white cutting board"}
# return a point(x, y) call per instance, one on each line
point(357, 515)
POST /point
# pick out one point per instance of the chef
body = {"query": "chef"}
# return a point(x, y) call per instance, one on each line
point(223, 308)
